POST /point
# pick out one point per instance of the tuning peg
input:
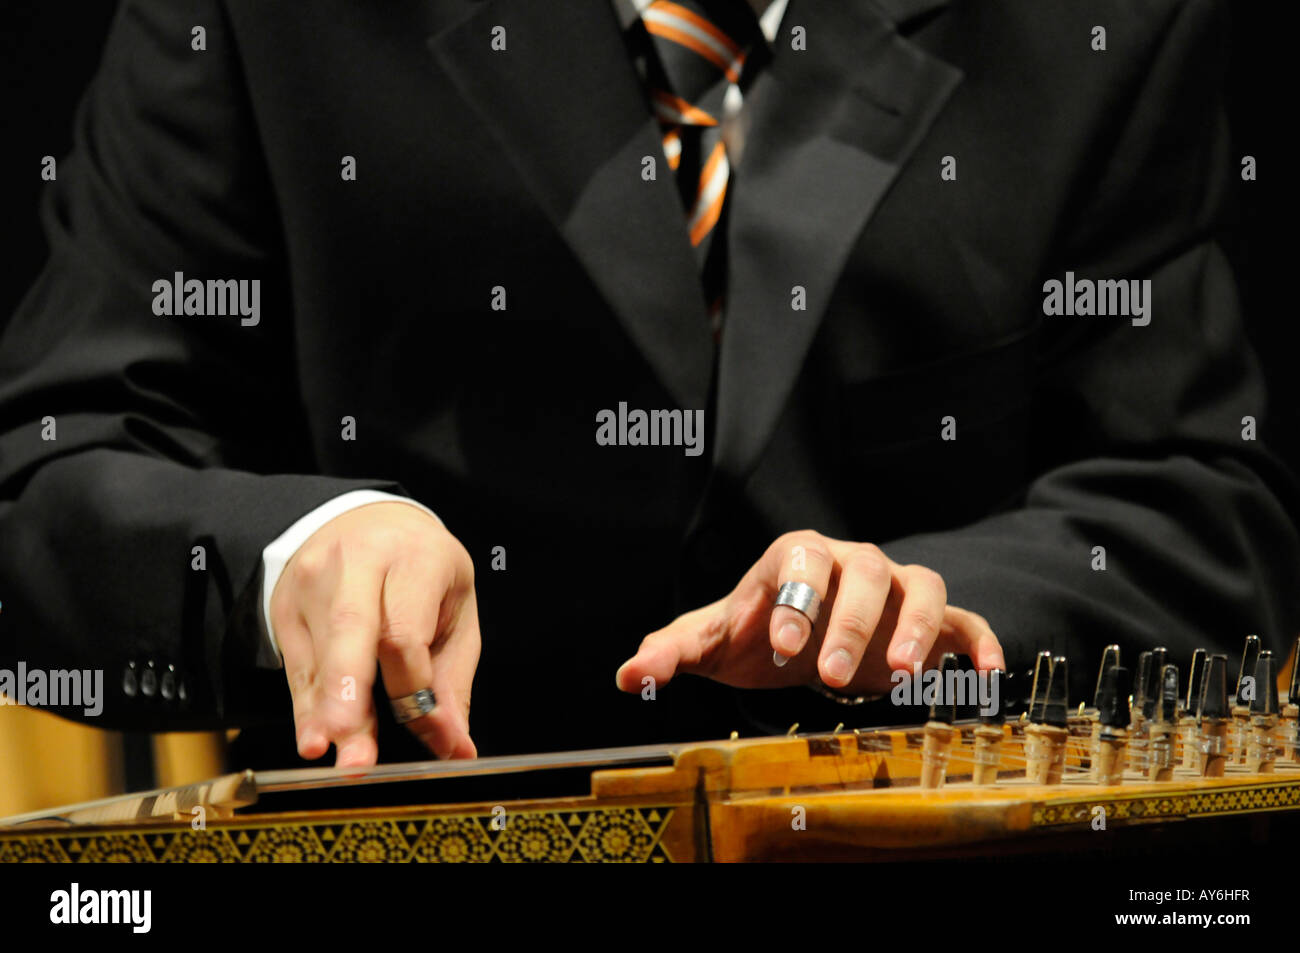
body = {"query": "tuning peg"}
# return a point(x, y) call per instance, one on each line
point(988, 735)
point(1214, 690)
point(1167, 705)
point(938, 730)
point(944, 708)
point(1293, 693)
point(1109, 659)
point(1291, 711)
point(1151, 697)
point(1112, 698)
point(1194, 676)
point(1038, 692)
point(1142, 707)
point(1263, 716)
point(1112, 724)
point(1056, 709)
point(1140, 686)
point(1162, 726)
point(1249, 659)
point(1214, 714)
point(996, 715)
point(1045, 740)
point(1240, 705)
point(1187, 726)
point(1265, 700)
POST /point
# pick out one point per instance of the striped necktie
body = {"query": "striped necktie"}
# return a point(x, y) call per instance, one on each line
point(699, 51)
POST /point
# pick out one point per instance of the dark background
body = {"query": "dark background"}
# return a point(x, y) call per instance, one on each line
point(49, 49)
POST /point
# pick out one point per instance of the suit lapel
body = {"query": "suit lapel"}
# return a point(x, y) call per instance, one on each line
point(828, 129)
point(567, 105)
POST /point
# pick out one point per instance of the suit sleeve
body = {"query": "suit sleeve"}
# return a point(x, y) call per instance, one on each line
point(1143, 456)
point(146, 460)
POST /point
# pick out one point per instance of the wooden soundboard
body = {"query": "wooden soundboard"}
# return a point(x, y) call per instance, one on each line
point(866, 794)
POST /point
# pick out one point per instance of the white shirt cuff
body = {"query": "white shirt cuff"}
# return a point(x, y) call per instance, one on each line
point(280, 550)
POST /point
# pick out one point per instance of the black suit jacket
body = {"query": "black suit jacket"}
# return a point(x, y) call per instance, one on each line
point(479, 169)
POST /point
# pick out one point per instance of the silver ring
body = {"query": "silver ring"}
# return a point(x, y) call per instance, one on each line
point(800, 597)
point(413, 706)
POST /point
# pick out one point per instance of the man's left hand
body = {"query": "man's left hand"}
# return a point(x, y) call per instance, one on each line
point(876, 616)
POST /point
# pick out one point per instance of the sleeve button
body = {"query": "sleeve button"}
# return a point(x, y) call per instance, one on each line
point(149, 682)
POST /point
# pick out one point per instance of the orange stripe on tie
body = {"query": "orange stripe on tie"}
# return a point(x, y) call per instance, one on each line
point(697, 21)
point(705, 218)
point(731, 67)
point(708, 218)
point(679, 110)
point(716, 158)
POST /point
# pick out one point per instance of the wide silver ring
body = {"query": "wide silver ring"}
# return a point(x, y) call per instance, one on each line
point(413, 706)
point(800, 597)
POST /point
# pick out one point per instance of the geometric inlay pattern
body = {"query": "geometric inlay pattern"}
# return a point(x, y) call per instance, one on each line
point(605, 835)
point(1176, 804)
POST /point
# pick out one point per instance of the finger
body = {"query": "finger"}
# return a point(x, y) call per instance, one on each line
point(863, 590)
point(409, 606)
point(300, 671)
point(968, 632)
point(345, 633)
point(920, 616)
point(455, 660)
point(796, 557)
point(679, 647)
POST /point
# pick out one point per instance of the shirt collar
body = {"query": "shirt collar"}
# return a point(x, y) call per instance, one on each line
point(769, 13)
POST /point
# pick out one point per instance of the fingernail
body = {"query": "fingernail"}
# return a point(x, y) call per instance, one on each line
point(910, 652)
point(839, 665)
point(779, 660)
point(790, 637)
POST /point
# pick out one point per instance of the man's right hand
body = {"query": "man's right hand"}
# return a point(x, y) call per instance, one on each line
point(384, 582)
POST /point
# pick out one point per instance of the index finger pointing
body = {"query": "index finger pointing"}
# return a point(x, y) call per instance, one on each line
point(970, 633)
